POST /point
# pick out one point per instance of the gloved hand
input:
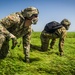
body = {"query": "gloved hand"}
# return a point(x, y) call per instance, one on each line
point(14, 41)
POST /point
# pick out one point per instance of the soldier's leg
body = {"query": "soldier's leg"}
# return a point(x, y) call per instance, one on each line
point(61, 44)
point(26, 47)
point(44, 43)
point(27, 53)
point(4, 47)
point(52, 43)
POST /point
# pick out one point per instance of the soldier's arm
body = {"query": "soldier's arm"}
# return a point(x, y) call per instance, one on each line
point(52, 43)
point(6, 33)
point(9, 35)
point(61, 41)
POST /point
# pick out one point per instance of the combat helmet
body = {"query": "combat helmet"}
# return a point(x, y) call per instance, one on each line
point(28, 12)
point(65, 22)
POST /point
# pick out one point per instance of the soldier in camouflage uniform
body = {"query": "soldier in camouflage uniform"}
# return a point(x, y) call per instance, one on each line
point(59, 33)
point(17, 25)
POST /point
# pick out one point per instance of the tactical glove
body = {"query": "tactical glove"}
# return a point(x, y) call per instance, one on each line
point(14, 41)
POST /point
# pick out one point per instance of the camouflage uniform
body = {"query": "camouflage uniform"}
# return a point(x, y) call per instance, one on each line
point(59, 33)
point(14, 26)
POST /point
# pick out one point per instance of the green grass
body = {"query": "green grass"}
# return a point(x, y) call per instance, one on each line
point(42, 63)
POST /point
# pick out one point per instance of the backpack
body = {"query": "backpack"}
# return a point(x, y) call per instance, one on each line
point(51, 27)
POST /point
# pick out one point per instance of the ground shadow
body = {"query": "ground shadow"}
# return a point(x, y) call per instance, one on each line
point(34, 59)
point(35, 47)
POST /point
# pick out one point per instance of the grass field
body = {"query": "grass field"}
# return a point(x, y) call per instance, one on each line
point(42, 63)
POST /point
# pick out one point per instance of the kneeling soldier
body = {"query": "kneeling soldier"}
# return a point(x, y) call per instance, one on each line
point(59, 31)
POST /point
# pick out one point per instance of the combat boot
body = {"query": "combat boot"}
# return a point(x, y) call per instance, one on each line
point(44, 49)
point(51, 47)
point(61, 53)
point(27, 60)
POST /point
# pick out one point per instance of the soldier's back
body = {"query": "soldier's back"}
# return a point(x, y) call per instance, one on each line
point(10, 20)
point(61, 32)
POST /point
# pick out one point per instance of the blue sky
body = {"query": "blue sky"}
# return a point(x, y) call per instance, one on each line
point(49, 10)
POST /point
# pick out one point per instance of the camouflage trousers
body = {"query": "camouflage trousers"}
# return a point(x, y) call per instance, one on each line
point(26, 48)
point(27, 53)
point(45, 39)
point(4, 46)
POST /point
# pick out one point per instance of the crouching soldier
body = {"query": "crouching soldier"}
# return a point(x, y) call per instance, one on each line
point(54, 30)
point(17, 25)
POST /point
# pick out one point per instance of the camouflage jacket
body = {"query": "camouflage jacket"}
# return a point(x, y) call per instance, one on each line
point(14, 24)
